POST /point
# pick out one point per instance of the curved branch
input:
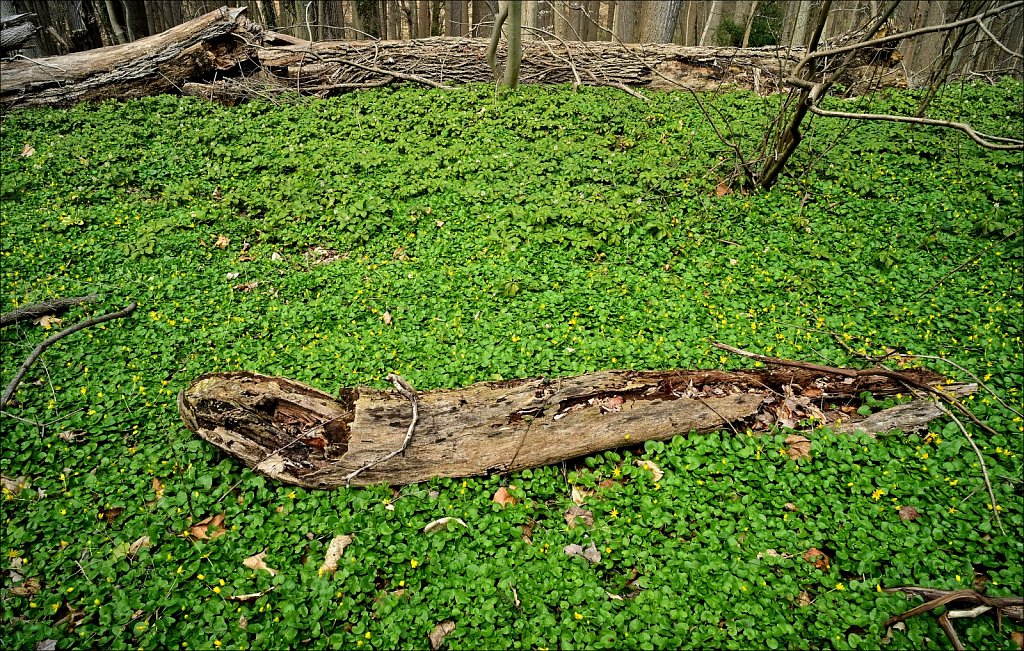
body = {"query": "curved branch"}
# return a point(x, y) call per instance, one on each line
point(995, 40)
point(49, 341)
point(986, 141)
point(492, 48)
point(810, 56)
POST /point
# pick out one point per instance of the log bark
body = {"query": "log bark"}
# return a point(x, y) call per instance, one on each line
point(224, 56)
point(301, 435)
point(148, 66)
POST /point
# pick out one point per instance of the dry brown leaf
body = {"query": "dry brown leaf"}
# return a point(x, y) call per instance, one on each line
point(112, 513)
point(246, 287)
point(590, 553)
point(245, 257)
point(442, 523)
point(243, 623)
point(387, 318)
point(71, 435)
point(49, 321)
point(27, 150)
point(503, 497)
point(790, 506)
point(909, 513)
point(27, 588)
point(722, 189)
point(527, 532)
point(817, 558)
point(158, 488)
point(208, 528)
point(440, 631)
point(14, 484)
point(334, 552)
point(141, 543)
point(255, 562)
point(222, 242)
point(798, 447)
point(575, 513)
point(653, 467)
point(804, 599)
point(400, 254)
point(607, 483)
point(578, 496)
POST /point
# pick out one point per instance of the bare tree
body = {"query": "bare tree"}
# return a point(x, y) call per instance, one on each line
point(810, 85)
point(624, 27)
point(658, 21)
point(456, 17)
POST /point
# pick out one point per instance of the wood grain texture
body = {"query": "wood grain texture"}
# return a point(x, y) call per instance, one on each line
point(301, 435)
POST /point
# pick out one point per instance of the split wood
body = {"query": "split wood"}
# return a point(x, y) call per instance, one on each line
point(406, 389)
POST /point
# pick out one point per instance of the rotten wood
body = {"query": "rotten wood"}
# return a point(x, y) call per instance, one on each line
point(300, 435)
point(149, 66)
point(224, 56)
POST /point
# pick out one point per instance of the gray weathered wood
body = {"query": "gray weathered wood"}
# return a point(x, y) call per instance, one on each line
point(301, 435)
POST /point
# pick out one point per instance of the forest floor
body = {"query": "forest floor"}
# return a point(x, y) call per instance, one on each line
point(453, 237)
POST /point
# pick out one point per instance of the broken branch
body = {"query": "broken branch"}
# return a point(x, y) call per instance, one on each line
point(49, 341)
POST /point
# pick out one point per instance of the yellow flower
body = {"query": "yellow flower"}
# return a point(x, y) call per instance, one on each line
point(878, 493)
point(217, 643)
point(216, 590)
point(367, 636)
point(839, 586)
point(614, 513)
point(414, 563)
point(577, 615)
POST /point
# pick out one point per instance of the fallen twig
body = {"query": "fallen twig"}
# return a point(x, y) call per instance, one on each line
point(961, 604)
point(37, 310)
point(49, 341)
point(940, 396)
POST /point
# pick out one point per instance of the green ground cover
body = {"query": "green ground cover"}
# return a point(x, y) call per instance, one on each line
point(547, 233)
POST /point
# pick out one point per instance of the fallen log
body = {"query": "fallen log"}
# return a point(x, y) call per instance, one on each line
point(149, 66)
point(300, 435)
point(225, 57)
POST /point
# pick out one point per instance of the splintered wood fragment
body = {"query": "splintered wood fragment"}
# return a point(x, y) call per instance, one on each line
point(300, 435)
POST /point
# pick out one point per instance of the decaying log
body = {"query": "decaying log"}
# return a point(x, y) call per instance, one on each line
point(225, 57)
point(149, 66)
point(300, 435)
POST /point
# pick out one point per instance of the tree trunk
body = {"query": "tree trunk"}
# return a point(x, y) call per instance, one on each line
point(624, 25)
point(300, 435)
point(659, 21)
point(456, 17)
point(531, 19)
point(152, 65)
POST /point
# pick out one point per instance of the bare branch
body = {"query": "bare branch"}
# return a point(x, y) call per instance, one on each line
point(42, 309)
point(810, 56)
point(981, 461)
point(995, 40)
point(986, 141)
point(49, 341)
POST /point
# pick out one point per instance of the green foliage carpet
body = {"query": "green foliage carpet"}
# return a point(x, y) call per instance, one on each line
point(454, 237)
